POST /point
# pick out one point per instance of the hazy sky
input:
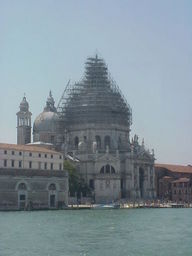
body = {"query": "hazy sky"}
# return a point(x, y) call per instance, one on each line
point(146, 44)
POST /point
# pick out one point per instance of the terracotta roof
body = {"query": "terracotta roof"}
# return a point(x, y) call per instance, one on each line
point(26, 148)
point(175, 168)
point(181, 180)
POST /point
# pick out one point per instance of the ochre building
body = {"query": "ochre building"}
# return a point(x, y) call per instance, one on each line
point(174, 182)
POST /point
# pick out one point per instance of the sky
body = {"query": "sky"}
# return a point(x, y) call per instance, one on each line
point(147, 46)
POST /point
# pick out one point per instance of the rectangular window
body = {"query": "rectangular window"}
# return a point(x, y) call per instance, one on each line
point(22, 197)
point(20, 153)
point(12, 163)
point(5, 152)
point(13, 152)
point(45, 155)
point(91, 183)
point(5, 163)
point(30, 164)
point(51, 166)
point(51, 156)
point(39, 155)
point(60, 166)
point(20, 164)
point(52, 139)
point(30, 154)
point(45, 166)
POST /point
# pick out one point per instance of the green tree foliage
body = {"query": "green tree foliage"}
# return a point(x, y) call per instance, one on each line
point(77, 185)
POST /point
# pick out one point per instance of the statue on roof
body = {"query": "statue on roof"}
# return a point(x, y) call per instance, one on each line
point(50, 103)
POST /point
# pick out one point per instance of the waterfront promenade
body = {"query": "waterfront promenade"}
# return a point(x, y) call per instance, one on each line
point(132, 205)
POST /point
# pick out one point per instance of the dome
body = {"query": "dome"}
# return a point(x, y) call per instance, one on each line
point(96, 99)
point(45, 122)
point(24, 105)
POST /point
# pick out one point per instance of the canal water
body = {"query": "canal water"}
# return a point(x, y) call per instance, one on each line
point(130, 232)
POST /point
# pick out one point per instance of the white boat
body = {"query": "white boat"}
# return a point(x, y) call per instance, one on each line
point(105, 206)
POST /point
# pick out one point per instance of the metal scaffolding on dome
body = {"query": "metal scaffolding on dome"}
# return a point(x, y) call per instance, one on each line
point(95, 99)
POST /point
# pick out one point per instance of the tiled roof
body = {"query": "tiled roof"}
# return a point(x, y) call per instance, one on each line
point(6, 146)
point(175, 168)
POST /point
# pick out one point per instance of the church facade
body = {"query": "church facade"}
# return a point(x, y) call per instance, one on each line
point(91, 125)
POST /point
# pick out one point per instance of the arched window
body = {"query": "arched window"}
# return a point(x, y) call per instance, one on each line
point(52, 187)
point(107, 141)
point(107, 168)
point(22, 186)
point(102, 169)
point(98, 141)
point(22, 195)
point(76, 142)
point(112, 170)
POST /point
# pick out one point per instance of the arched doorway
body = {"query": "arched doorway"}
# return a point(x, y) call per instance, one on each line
point(141, 181)
point(52, 195)
point(22, 195)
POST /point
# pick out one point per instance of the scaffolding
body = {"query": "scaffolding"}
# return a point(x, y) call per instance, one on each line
point(95, 99)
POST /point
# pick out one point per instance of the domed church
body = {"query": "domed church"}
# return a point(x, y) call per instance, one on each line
point(91, 126)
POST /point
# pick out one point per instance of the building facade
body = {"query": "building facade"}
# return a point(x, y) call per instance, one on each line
point(174, 182)
point(92, 124)
point(31, 177)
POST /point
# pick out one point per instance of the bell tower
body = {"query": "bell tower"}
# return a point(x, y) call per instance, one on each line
point(24, 123)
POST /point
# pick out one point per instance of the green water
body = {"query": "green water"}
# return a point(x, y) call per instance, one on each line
point(135, 232)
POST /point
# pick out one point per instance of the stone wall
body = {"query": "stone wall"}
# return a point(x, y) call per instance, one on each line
point(32, 191)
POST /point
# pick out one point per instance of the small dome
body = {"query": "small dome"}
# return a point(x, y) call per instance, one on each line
point(24, 105)
point(45, 122)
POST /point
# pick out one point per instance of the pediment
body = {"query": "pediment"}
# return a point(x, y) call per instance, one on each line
point(107, 158)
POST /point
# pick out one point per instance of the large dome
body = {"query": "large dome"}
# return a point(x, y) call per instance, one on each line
point(96, 99)
point(45, 122)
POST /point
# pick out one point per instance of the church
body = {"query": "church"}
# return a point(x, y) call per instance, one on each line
point(91, 126)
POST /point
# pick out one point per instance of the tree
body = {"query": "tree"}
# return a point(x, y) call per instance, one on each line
point(76, 184)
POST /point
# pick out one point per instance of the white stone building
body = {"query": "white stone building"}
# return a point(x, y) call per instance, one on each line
point(31, 177)
point(92, 123)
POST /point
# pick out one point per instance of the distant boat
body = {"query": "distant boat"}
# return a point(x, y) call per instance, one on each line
point(105, 206)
